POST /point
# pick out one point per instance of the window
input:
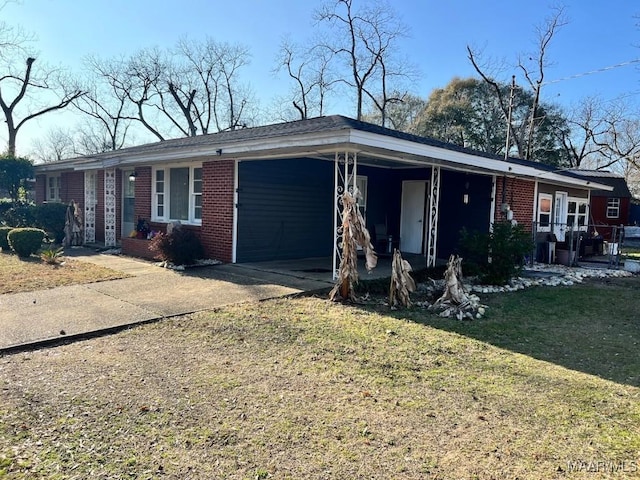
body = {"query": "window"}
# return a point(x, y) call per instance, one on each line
point(577, 214)
point(54, 185)
point(544, 212)
point(361, 185)
point(177, 194)
point(613, 207)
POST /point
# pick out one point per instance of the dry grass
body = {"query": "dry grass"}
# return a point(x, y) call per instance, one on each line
point(304, 388)
point(24, 275)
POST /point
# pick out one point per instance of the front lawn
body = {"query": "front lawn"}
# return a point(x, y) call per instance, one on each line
point(546, 386)
point(24, 275)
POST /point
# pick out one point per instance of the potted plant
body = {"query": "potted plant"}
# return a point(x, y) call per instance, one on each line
point(142, 229)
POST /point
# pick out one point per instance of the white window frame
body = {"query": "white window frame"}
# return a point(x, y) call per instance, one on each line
point(56, 189)
point(613, 205)
point(575, 216)
point(166, 218)
point(545, 196)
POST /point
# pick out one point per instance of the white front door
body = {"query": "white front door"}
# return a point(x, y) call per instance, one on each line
point(412, 215)
point(560, 216)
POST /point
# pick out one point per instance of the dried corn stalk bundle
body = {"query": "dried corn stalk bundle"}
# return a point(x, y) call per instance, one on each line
point(455, 302)
point(354, 233)
point(453, 288)
point(402, 284)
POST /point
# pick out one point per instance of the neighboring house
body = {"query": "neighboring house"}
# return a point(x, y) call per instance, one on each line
point(272, 192)
point(608, 208)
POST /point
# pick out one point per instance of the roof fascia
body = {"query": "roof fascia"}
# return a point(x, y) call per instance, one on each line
point(462, 158)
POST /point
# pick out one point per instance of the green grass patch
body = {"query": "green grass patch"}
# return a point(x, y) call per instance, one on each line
point(304, 388)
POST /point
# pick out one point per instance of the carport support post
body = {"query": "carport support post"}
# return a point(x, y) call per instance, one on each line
point(110, 203)
point(434, 197)
point(344, 177)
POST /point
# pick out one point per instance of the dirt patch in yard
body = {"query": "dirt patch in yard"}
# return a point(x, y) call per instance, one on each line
point(26, 275)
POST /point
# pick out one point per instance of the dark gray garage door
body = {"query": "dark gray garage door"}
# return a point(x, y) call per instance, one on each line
point(285, 209)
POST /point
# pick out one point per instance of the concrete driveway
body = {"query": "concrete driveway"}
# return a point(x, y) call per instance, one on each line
point(47, 316)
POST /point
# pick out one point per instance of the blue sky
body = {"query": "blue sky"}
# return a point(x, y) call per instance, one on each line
point(599, 34)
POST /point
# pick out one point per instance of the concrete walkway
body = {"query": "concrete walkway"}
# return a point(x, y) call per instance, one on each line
point(43, 317)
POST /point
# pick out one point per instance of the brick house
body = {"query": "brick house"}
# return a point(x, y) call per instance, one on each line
point(609, 207)
point(271, 192)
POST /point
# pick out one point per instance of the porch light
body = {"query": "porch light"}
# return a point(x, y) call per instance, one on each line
point(465, 199)
point(132, 176)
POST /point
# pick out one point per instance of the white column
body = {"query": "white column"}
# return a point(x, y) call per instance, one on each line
point(90, 201)
point(345, 172)
point(434, 199)
point(110, 207)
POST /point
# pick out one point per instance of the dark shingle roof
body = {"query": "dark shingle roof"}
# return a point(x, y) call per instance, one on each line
point(301, 127)
point(619, 184)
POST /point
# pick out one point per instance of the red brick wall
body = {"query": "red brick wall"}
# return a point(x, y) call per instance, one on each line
point(135, 247)
point(217, 209)
point(143, 193)
point(41, 188)
point(72, 188)
point(519, 196)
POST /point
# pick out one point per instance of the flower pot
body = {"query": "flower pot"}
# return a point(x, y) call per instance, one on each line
point(562, 257)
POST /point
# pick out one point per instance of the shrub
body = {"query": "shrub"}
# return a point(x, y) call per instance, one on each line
point(4, 242)
point(25, 241)
point(5, 205)
point(474, 249)
point(51, 218)
point(20, 215)
point(499, 255)
point(180, 247)
point(52, 256)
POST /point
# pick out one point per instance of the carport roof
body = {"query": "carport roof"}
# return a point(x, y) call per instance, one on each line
point(322, 137)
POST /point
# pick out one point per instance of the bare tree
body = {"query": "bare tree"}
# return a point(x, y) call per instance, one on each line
point(183, 92)
point(57, 144)
point(535, 73)
point(309, 69)
point(533, 69)
point(206, 84)
point(584, 124)
point(365, 41)
point(620, 141)
point(106, 105)
point(12, 38)
point(15, 89)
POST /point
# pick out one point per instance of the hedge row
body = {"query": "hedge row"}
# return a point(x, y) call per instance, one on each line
point(49, 217)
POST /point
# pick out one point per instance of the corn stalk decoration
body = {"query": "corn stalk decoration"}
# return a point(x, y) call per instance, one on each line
point(402, 284)
point(455, 301)
point(354, 234)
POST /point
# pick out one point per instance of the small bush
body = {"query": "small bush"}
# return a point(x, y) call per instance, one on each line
point(25, 241)
point(21, 215)
point(5, 205)
point(474, 249)
point(51, 218)
point(499, 255)
point(52, 256)
point(180, 247)
point(4, 242)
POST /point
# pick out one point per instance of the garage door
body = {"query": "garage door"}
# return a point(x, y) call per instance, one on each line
point(285, 209)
